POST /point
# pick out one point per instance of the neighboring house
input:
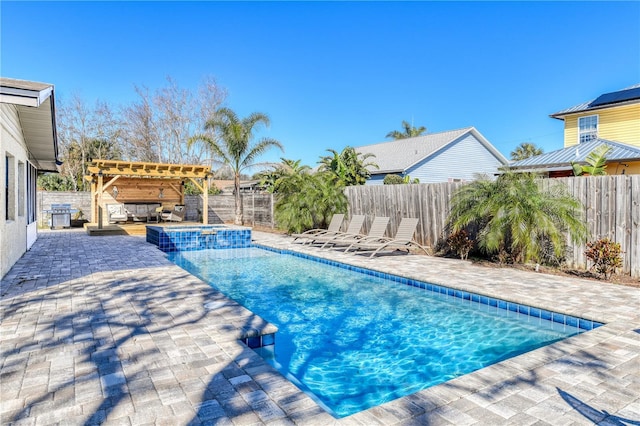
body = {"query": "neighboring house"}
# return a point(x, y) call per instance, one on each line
point(227, 186)
point(622, 159)
point(452, 156)
point(612, 116)
point(28, 144)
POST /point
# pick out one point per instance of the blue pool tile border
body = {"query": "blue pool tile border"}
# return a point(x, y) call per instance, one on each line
point(198, 237)
point(556, 317)
point(260, 341)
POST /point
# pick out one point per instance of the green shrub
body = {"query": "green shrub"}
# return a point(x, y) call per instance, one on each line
point(606, 256)
point(393, 180)
point(308, 201)
point(191, 189)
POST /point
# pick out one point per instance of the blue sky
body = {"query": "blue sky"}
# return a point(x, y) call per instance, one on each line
point(332, 74)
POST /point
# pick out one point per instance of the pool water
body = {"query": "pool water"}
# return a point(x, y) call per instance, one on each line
point(354, 341)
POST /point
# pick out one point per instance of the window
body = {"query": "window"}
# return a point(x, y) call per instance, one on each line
point(587, 128)
point(21, 188)
point(9, 189)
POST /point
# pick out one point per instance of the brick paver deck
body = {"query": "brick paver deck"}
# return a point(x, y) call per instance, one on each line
point(105, 330)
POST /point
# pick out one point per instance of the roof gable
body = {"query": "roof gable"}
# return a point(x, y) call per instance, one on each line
point(400, 155)
point(606, 100)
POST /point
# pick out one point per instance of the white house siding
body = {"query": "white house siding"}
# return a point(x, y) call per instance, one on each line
point(462, 159)
point(13, 232)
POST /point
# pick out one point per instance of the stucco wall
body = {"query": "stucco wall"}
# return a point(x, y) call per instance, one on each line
point(13, 232)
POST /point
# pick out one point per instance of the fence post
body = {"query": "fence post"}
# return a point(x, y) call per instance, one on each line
point(273, 221)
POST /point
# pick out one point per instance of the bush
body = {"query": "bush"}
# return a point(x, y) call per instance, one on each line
point(191, 189)
point(460, 243)
point(606, 256)
point(308, 201)
point(55, 182)
point(514, 213)
point(393, 180)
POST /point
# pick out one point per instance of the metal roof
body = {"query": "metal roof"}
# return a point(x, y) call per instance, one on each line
point(578, 154)
point(399, 155)
point(36, 110)
point(624, 96)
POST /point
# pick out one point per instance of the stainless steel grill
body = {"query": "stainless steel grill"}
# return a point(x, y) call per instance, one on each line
point(60, 215)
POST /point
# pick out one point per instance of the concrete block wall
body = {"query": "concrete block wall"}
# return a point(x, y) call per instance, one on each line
point(78, 201)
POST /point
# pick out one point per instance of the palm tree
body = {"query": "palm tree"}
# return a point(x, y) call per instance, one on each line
point(233, 146)
point(408, 131)
point(349, 166)
point(272, 179)
point(596, 160)
point(525, 150)
point(516, 215)
point(293, 166)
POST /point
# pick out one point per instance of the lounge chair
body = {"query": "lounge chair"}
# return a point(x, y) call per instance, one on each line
point(116, 213)
point(402, 240)
point(355, 225)
point(334, 226)
point(176, 215)
point(377, 230)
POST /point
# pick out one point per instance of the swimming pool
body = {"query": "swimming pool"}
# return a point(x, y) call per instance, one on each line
point(354, 341)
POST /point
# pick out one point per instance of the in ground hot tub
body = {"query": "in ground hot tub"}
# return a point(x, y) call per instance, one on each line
point(198, 237)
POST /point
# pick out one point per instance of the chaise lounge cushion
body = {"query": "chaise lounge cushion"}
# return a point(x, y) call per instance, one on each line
point(139, 212)
point(116, 213)
point(176, 215)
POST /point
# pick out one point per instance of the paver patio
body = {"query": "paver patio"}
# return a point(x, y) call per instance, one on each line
point(105, 330)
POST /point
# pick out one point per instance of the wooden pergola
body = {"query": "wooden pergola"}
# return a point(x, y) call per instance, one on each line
point(140, 182)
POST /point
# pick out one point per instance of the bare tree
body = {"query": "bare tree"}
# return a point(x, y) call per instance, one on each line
point(107, 133)
point(74, 130)
point(85, 133)
point(211, 97)
point(154, 128)
point(159, 125)
point(175, 110)
point(140, 135)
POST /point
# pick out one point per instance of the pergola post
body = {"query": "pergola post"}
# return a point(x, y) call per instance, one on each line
point(94, 213)
point(99, 191)
point(205, 201)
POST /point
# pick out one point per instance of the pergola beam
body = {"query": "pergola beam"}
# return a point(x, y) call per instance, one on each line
point(127, 168)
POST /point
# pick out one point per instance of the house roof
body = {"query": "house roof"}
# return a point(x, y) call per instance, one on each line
point(620, 97)
point(561, 159)
point(36, 110)
point(399, 155)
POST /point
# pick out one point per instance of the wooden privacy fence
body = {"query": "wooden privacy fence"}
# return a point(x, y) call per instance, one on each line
point(257, 208)
point(611, 208)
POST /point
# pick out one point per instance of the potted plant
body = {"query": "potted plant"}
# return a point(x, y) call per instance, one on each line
point(78, 219)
